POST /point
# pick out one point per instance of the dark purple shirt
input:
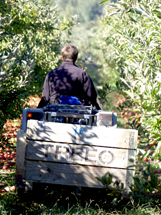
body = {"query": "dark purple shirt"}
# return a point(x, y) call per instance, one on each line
point(68, 79)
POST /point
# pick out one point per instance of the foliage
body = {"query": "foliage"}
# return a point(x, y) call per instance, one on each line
point(146, 181)
point(130, 44)
point(114, 188)
point(132, 33)
point(146, 185)
point(29, 48)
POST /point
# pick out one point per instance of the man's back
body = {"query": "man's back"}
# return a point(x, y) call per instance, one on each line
point(69, 80)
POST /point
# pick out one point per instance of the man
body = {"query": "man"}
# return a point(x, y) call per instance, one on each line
point(68, 80)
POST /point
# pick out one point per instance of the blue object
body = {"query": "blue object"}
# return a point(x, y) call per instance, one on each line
point(69, 100)
point(75, 131)
point(80, 131)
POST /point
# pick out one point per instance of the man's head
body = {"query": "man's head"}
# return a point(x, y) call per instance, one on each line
point(69, 53)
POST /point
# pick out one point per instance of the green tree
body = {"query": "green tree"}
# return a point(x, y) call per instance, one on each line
point(30, 45)
point(131, 32)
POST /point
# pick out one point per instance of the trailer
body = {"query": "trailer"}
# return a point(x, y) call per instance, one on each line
point(73, 145)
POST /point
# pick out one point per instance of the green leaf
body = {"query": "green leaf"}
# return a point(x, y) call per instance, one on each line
point(104, 1)
point(114, 201)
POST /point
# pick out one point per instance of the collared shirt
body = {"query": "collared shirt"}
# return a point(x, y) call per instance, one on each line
point(68, 79)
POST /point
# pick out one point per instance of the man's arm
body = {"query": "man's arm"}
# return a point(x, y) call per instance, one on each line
point(90, 93)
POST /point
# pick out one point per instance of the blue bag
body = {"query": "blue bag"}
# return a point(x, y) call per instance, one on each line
point(70, 100)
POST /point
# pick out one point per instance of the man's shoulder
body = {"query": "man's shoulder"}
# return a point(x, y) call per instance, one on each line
point(53, 70)
point(72, 68)
point(80, 70)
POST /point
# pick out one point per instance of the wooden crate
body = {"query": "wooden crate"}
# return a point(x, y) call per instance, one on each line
point(69, 154)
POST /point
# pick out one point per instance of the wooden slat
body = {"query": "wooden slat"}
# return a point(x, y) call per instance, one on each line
point(80, 154)
point(67, 174)
point(20, 156)
point(79, 134)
